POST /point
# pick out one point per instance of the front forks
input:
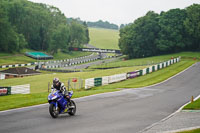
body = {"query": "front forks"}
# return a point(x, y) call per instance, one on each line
point(56, 105)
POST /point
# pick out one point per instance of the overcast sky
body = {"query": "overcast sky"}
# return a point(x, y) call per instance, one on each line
point(114, 11)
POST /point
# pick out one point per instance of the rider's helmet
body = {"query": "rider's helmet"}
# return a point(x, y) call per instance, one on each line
point(55, 81)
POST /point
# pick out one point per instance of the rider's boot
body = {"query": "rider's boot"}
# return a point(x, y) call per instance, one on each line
point(69, 103)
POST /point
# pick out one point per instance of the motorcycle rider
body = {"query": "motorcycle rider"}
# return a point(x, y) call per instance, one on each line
point(60, 86)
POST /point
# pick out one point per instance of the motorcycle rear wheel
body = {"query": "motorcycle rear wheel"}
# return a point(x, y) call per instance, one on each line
point(53, 112)
point(73, 110)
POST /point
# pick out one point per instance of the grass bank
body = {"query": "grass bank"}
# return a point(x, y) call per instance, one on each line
point(104, 38)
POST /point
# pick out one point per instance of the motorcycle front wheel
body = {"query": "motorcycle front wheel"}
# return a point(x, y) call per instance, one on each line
point(72, 110)
point(53, 112)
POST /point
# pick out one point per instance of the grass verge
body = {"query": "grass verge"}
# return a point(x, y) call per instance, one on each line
point(193, 106)
point(191, 131)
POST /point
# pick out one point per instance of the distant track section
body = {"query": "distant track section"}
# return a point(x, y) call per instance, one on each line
point(95, 50)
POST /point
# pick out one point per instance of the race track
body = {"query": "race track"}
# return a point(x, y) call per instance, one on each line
point(126, 111)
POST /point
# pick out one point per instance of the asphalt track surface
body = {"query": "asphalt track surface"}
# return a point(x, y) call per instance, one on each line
point(126, 111)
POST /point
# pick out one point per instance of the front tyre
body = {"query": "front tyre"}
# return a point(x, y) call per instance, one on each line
point(73, 109)
point(53, 112)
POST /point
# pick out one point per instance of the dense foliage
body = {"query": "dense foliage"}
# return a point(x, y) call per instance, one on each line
point(25, 24)
point(168, 32)
point(102, 24)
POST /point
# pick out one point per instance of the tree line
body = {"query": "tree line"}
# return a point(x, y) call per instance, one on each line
point(24, 24)
point(97, 24)
point(168, 32)
point(102, 24)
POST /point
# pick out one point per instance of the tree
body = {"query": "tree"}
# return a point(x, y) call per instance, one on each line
point(138, 39)
point(102, 24)
point(192, 26)
point(173, 31)
point(38, 27)
point(77, 34)
point(60, 39)
point(172, 34)
point(10, 40)
point(86, 32)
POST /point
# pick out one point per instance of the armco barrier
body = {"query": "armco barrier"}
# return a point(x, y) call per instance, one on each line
point(147, 70)
point(150, 69)
point(131, 75)
point(97, 81)
point(144, 71)
point(168, 62)
point(89, 83)
point(105, 80)
point(164, 65)
point(18, 65)
point(153, 68)
point(140, 72)
point(161, 66)
point(156, 67)
point(171, 62)
point(20, 89)
point(117, 78)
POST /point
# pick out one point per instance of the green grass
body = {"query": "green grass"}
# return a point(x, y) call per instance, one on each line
point(9, 59)
point(104, 38)
point(193, 106)
point(191, 131)
point(147, 60)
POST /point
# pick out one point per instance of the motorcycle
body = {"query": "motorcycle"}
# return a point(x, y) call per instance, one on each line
point(58, 104)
